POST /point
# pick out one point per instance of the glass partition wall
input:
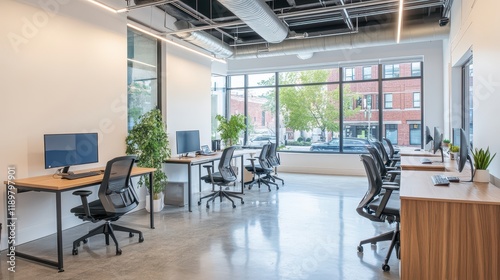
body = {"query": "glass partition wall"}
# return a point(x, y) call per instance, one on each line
point(330, 110)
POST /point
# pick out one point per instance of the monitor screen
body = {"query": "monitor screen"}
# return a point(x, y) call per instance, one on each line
point(428, 137)
point(64, 150)
point(463, 153)
point(187, 141)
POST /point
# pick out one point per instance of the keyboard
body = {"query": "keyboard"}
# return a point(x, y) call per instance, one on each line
point(208, 153)
point(440, 180)
point(81, 175)
point(425, 161)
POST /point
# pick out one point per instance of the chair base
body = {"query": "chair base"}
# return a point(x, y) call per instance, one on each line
point(264, 180)
point(392, 236)
point(220, 193)
point(108, 230)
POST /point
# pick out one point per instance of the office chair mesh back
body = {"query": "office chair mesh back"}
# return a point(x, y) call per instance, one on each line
point(273, 156)
point(374, 188)
point(115, 193)
point(379, 162)
point(225, 169)
point(263, 157)
point(389, 145)
point(382, 151)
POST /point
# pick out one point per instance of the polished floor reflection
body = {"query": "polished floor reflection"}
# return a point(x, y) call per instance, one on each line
point(309, 229)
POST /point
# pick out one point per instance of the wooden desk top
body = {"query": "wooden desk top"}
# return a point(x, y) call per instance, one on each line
point(409, 151)
point(419, 186)
point(199, 159)
point(54, 183)
point(414, 163)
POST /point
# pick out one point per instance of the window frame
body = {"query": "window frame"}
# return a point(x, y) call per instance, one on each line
point(367, 76)
point(386, 101)
point(415, 101)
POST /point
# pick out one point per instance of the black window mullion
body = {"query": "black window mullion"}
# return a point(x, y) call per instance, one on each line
point(341, 111)
point(380, 100)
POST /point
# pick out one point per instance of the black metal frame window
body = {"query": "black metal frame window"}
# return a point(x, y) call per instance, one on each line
point(391, 71)
point(468, 99)
point(415, 69)
point(144, 69)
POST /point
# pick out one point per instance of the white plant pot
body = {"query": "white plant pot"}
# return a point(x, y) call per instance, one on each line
point(482, 176)
point(157, 204)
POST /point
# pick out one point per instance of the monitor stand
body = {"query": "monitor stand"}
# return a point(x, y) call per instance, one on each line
point(65, 170)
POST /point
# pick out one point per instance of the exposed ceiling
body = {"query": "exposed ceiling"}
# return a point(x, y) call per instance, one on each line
point(226, 27)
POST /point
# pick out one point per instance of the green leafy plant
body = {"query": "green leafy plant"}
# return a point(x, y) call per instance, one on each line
point(148, 140)
point(446, 142)
point(482, 158)
point(231, 129)
point(454, 149)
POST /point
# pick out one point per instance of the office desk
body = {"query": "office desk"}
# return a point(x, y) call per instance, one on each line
point(409, 151)
point(48, 183)
point(414, 163)
point(199, 160)
point(449, 232)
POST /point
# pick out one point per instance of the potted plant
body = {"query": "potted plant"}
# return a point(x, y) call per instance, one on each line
point(446, 142)
point(231, 129)
point(482, 159)
point(454, 151)
point(148, 140)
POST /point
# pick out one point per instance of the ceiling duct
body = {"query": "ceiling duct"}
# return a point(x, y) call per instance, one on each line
point(258, 16)
point(203, 40)
point(366, 37)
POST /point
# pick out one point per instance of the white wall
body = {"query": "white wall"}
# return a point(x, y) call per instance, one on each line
point(432, 53)
point(63, 70)
point(474, 28)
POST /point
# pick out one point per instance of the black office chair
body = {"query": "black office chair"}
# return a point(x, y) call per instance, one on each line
point(274, 159)
point(116, 198)
point(380, 209)
point(388, 161)
point(387, 173)
point(262, 170)
point(224, 177)
point(393, 152)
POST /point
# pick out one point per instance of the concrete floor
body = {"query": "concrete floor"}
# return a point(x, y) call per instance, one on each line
point(309, 229)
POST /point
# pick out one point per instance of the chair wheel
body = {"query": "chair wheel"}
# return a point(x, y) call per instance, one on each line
point(141, 239)
point(386, 267)
point(360, 249)
point(118, 252)
point(234, 206)
point(130, 234)
point(85, 241)
point(199, 202)
point(208, 206)
point(75, 252)
point(242, 202)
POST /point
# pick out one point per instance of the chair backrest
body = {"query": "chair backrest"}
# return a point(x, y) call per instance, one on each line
point(374, 189)
point(273, 155)
point(115, 193)
point(225, 169)
point(263, 157)
point(382, 151)
point(389, 145)
point(379, 162)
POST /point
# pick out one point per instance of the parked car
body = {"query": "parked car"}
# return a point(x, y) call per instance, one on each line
point(261, 140)
point(351, 145)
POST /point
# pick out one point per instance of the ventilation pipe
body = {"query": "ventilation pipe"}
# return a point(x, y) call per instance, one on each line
point(203, 40)
point(366, 37)
point(258, 16)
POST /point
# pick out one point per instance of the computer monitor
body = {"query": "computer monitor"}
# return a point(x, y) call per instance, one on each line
point(428, 137)
point(187, 141)
point(463, 154)
point(65, 150)
point(437, 145)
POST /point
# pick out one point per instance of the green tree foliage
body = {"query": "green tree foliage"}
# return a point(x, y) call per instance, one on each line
point(312, 106)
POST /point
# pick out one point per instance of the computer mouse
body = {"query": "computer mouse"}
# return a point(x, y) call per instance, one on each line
point(417, 149)
point(426, 162)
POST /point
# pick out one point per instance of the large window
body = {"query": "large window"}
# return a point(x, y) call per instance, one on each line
point(329, 110)
point(467, 99)
point(218, 100)
point(143, 68)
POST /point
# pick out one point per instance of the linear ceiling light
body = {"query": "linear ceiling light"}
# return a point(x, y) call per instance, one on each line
point(174, 43)
point(400, 19)
point(108, 8)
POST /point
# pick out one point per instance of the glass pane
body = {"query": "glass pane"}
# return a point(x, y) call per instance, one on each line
point(261, 117)
point(236, 81)
point(310, 117)
point(402, 70)
point(402, 114)
point(142, 77)
point(309, 76)
point(358, 73)
point(236, 106)
point(360, 116)
point(261, 80)
point(218, 98)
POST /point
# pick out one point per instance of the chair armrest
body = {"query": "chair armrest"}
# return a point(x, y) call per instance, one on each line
point(85, 204)
point(385, 199)
point(390, 186)
point(209, 172)
point(252, 161)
